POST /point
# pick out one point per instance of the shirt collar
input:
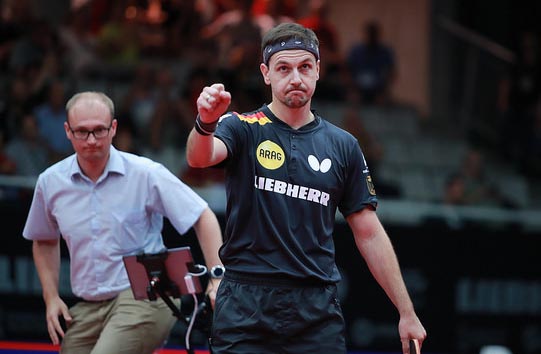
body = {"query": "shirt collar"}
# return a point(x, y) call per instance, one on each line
point(114, 165)
point(313, 124)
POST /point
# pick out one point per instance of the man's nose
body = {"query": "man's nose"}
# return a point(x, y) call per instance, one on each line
point(91, 138)
point(295, 76)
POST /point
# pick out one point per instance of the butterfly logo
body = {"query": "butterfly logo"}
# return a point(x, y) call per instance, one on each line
point(323, 166)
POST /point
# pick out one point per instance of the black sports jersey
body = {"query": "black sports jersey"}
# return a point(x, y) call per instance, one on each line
point(283, 189)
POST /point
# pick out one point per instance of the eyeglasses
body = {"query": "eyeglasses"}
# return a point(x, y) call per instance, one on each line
point(99, 133)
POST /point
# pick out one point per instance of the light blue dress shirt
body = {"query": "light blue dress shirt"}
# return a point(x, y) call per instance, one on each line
point(121, 214)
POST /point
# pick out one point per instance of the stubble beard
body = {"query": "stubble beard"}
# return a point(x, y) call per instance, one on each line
point(296, 101)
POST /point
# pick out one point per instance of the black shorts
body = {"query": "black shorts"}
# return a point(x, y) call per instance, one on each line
point(259, 318)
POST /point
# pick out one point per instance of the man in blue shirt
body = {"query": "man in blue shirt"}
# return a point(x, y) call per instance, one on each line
point(107, 204)
point(372, 66)
point(287, 172)
point(50, 115)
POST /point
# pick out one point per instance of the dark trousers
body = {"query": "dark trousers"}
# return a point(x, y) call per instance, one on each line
point(269, 318)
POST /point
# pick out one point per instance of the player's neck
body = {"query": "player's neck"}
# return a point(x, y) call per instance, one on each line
point(92, 169)
point(294, 117)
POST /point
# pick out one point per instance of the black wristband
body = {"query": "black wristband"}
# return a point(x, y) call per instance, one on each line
point(199, 130)
point(205, 128)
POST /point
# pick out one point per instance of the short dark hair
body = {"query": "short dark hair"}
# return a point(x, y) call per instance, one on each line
point(288, 31)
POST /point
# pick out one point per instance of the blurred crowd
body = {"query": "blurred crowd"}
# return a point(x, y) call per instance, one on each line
point(154, 56)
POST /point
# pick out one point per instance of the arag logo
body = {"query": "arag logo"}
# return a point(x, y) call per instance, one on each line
point(270, 155)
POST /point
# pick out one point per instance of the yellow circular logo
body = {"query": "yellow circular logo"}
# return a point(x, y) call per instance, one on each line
point(270, 155)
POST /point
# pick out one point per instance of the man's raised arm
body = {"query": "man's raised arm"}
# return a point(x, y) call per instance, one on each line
point(203, 149)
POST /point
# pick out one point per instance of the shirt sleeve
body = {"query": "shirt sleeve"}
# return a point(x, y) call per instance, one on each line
point(174, 199)
point(40, 223)
point(359, 191)
point(229, 132)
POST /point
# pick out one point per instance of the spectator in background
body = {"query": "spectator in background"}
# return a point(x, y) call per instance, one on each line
point(149, 108)
point(167, 132)
point(454, 193)
point(124, 139)
point(187, 109)
point(269, 13)
point(118, 43)
point(27, 149)
point(35, 56)
point(14, 19)
point(51, 116)
point(79, 43)
point(237, 35)
point(28, 50)
point(184, 18)
point(13, 106)
point(318, 21)
point(470, 185)
point(164, 127)
point(331, 83)
point(139, 102)
point(372, 66)
point(478, 190)
point(33, 62)
point(231, 12)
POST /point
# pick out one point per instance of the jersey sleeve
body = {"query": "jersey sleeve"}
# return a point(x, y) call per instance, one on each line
point(359, 191)
point(229, 131)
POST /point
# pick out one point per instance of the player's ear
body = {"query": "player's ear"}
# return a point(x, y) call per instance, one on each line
point(265, 72)
point(114, 125)
point(67, 129)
